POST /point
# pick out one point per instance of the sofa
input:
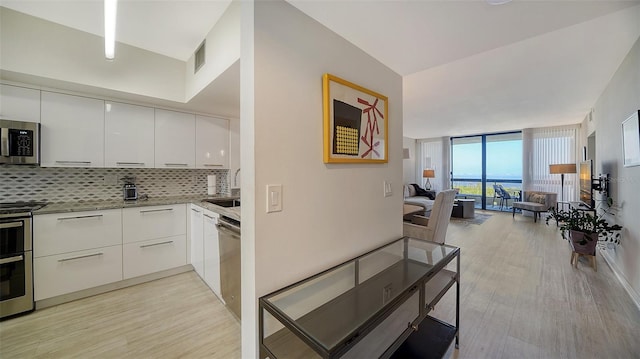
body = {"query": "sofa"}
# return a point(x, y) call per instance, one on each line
point(536, 202)
point(425, 199)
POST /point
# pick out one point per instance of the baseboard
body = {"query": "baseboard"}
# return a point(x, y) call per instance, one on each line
point(635, 297)
point(50, 302)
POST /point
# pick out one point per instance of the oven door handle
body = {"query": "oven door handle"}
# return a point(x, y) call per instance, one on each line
point(12, 259)
point(11, 225)
point(4, 142)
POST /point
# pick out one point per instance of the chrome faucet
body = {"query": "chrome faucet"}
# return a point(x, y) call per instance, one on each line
point(235, 178)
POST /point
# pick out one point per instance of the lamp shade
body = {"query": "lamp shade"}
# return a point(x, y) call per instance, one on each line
point(562, 168)
point(428, 174)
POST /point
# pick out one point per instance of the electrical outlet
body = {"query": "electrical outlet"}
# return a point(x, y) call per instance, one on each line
point(194, 180)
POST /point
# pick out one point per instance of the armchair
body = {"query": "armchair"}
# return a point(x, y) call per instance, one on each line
point(433, 228)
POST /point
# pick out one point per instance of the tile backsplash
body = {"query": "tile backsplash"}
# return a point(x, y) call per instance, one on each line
point(24, 183)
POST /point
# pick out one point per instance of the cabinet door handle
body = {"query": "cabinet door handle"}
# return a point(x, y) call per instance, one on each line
point(212, 165)
point(80, 217)
point(157, 210)
point(195, 210)
point(11, 259)
point(130, 163)
point(11, 225)
point(80, 257)
point(155, 244)
point(74, 162)
point(177, 164)
point(208, 216)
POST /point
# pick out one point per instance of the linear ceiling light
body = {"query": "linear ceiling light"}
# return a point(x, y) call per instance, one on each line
point(110, 10)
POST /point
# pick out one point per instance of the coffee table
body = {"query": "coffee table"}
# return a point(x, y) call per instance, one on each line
point(464, 208)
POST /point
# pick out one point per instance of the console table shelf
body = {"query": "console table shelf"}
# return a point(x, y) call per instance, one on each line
point(365, 307)
point(432, 340)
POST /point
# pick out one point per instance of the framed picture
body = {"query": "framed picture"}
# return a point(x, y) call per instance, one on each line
point(355, 123)
point(631, 140)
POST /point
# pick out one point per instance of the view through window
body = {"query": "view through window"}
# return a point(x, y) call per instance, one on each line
point(488, 168)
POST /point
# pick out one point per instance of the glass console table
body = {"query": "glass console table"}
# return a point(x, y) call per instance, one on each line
point(373, 306)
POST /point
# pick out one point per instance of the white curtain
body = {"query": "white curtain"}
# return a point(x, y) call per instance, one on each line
point(431, 156)
point(542, 147)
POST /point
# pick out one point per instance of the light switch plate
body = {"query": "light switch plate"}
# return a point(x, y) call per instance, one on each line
point(274, 198)
point(387, 189)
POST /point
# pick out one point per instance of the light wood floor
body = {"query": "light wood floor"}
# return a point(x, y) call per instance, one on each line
point(172, 317)
point(520, 298)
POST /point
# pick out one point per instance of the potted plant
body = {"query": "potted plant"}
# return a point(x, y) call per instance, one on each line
point(585, 229)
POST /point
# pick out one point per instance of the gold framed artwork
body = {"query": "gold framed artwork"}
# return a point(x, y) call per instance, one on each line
point(355, 123)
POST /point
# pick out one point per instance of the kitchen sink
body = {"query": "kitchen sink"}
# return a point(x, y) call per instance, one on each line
point(224, 202)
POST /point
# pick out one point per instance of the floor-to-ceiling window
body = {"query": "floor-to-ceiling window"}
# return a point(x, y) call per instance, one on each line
point(488, 168)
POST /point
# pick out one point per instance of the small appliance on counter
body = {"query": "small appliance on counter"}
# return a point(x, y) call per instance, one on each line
point(129, 190)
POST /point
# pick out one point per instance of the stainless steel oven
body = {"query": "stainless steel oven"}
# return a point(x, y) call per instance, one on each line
point(19, 142)
point(16, 260)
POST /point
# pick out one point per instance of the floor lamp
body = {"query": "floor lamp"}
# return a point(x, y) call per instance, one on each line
point(562, 169)
point(428, 174)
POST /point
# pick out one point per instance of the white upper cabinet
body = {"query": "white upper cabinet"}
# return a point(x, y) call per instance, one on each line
point(212, 142)
point(174, 139)
point(19, 103)
point(128, 137)
point(72, 132)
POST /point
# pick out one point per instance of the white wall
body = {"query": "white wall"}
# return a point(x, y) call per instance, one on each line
point(618, 101)
point(331, 212)
point(40, 48)
point(409, 165)
point(222, 50)
point(234, 153)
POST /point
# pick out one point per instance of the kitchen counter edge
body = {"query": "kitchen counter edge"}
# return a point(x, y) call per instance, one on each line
point(69, 207)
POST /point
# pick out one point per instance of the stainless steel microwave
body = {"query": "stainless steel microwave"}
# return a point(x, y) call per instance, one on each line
point(19, 142)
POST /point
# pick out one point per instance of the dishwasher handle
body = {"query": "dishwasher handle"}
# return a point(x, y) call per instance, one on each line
point(229, 229)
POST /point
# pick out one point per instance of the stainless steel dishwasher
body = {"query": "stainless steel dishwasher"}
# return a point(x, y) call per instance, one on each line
point(229, 239)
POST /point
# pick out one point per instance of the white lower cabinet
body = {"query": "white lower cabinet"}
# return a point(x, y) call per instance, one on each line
point(154, 255)
point(211, 252)
point(197, 240)
point(142, 223)
point(58, 233)
point(82, 250)
point(205, 253)
point(155, 239)
point(69, 272)
point(75, 251)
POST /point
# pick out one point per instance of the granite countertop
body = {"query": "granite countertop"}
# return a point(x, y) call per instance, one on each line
point(66, 207)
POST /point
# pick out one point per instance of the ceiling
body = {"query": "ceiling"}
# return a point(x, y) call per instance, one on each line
point(173, 28)
point(468, 67)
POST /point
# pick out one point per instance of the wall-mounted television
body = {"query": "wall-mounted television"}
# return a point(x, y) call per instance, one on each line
point(586, 183)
